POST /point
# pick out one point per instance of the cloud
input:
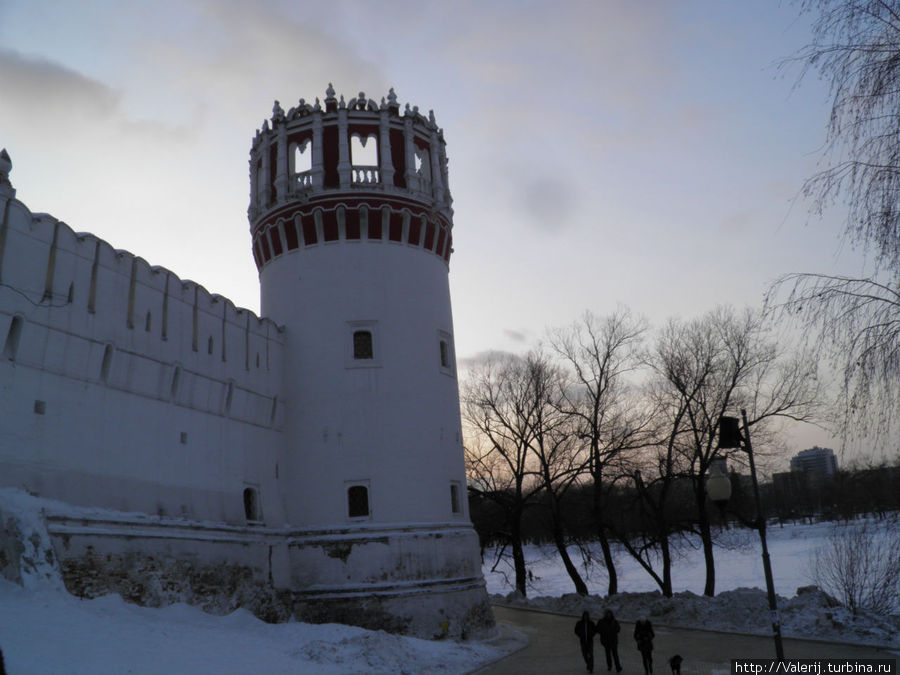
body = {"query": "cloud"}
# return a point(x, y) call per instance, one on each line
point(485, 357)
point(51, 93)
point(515, 335)
point(548, 203)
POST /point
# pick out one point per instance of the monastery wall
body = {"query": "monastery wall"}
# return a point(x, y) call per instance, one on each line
point(125, 387)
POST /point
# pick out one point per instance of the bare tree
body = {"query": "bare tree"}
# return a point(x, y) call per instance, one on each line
point(855, 46)
point(718, 363)
point(606, 418)
point(856, 326)
point(501, 410)
point(860, 565)
point(559, 460)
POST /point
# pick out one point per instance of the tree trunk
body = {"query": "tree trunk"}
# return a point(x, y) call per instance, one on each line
point(706, 537)
point(602, 538)
point(610, 563)
point(667, 566)
point(518, 558)
point(560, 541)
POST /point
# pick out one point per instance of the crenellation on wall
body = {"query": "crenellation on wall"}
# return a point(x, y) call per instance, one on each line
point(89, 389)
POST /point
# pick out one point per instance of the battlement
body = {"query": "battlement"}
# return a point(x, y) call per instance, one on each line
point(356, 170)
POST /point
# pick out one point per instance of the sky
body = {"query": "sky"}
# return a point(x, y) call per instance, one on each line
point(601, 153)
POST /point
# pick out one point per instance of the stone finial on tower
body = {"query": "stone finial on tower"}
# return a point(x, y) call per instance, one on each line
point(6, 187)
point(330, 100)
point(277, 113)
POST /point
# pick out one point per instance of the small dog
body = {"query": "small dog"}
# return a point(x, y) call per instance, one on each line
point(675, 664)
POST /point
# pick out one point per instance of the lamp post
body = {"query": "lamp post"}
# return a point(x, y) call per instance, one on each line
point(730, 437)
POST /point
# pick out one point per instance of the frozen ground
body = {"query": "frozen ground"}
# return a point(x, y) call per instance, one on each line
point(740, 604)
point(45, 630)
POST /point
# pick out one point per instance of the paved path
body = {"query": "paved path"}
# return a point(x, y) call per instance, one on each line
point(554, 648)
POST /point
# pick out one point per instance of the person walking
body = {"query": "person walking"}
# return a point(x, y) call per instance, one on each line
point(608, 629)
point(585, 630)
point(643, 636)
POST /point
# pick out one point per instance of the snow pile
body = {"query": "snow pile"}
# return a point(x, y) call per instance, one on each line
point(43, 629)
point(809, 614)
point(26, 553)
point(51, 632)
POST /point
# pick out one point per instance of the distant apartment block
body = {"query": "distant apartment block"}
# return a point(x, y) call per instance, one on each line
point(815, 459)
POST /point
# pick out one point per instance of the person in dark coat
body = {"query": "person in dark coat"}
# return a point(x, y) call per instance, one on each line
point(608, 629)
point(585, 630)
point(643, 636)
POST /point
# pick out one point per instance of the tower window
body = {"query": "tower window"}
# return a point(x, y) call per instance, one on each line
point(362, 344)
point(358, 501)
point(362, 347)
point(454, 498)
point(445, 353)
point(251, 505)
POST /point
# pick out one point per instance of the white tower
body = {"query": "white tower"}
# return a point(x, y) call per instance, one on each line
point(351, 222)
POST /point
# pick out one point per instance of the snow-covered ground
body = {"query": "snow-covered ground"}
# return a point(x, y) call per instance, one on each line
point(740, 605)
point(50, 632)
point(45, 630)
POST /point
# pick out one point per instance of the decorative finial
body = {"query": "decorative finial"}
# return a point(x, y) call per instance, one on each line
point(406, 109)
point(431, 118)
point(330, 91)
point(318, 106)
point(392, 97)
point(277, 113)
point(5, 167)
point(341, 103)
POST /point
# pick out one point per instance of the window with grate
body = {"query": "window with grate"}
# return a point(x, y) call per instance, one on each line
point(362, 344)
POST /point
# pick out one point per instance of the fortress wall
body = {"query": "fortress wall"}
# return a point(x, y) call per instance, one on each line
point(125, 387)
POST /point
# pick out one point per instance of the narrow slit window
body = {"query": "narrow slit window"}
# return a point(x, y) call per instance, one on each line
point(358, 501)
point(11, 346)
point(445, 354)
point(107, 363)
point(251, 505)
point(176, 379)
point(454, 498)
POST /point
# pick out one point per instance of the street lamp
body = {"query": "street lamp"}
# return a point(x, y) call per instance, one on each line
point(730, 437)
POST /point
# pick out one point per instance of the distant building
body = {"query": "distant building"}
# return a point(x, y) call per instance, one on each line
point(816, 460)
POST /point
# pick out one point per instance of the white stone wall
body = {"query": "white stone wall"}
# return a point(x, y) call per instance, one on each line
point(128, 387)
point(390, 423)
